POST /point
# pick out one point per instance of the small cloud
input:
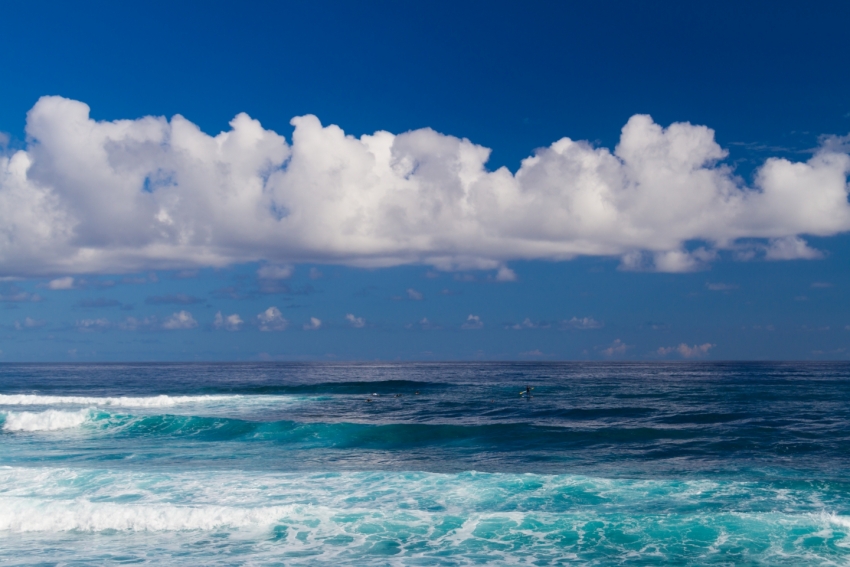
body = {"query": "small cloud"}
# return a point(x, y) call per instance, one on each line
point(89, 325)
point(464, 278)
point(414, 295)
point(720, 286)
point(617, 348)
point(275, 272)
point(72, 352)
point(449, 292)
point(272, 320)
point(175, 298)
point(535, 352)
point(61, 283)
point(526, 324)
point(313, 325)
point(583, 323)
point(356, 322)
point(134, 324)
point(505, 274)
point(29, 323)
point(791, 248)
point(180, 320)
point(432, 275)
point(686, 351)
point(472, 322)
point(821, 285)
point(11, 293)
point(186, 274)
point(315, 274)
point(229, 323)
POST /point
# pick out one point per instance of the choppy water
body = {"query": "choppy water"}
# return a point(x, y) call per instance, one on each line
point(425, 464)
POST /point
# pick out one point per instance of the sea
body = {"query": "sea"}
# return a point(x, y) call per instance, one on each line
point(425, 464)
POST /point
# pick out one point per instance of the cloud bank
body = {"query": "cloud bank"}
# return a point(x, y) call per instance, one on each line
point(132, 195)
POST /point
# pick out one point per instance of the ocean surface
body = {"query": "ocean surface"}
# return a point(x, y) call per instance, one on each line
point(425, 464)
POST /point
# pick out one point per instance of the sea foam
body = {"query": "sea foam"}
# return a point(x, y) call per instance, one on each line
point(50, 420)
point(122, 401)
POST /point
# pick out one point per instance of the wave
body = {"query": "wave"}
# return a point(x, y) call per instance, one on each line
point(50, 420)
point(161, 401)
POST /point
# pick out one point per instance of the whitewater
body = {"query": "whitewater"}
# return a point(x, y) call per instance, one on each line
point(425, 464)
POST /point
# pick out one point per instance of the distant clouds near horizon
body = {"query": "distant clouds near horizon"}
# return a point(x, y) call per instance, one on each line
point(129, 196)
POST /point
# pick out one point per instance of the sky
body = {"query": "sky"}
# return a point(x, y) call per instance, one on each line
point(424, 181)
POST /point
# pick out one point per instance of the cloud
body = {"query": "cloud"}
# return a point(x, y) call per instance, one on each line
point(686, 351)
point(29, 323)
point(617, 348)
point(13, 294)
point(720, 286)
point(526, 324)
point(357, 322)
point(134, 324)
point(89, 325)
point(275, 272)
point(414, 295)
point(88, 196)
point(472, 322)
point(175, 298)
point(61, 283)
point(505, 274)
point(313, 324)
point(229, 323)
point(583, 323)
point(315, 273)
point(535, 352)
point(180, 320)
point(272, 320)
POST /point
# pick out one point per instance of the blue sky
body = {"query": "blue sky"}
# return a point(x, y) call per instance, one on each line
point(142, 221)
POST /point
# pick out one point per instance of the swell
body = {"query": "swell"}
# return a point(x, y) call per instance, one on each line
point(496, 437)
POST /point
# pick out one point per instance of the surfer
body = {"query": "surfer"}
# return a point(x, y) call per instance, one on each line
point(527, 392)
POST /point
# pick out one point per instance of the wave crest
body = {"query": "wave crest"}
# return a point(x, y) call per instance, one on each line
point(50, 420)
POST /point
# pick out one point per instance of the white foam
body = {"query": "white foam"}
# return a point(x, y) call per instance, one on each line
point(50, 420)
point(122, 401)
point(29, 515)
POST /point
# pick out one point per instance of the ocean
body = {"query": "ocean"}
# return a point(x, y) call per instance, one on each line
point(425, 464)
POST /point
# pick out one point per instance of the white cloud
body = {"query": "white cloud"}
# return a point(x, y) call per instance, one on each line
point(61, 283)
point(414, 295)
point(275, 272)
point(313, 324)
point(180, 320)
point(136, 195)
point(719, 286)
point(86, 325)
point(472, 322)
point(526, 324)
point(272, 320)
point(617, 348)
point(686, 351)
point(583, 323)
point(229, 323)
point(29, 323)
point(505, 274)
point(133, 324)
point(357, 322)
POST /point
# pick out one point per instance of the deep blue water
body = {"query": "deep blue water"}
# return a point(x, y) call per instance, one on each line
point(425, 464)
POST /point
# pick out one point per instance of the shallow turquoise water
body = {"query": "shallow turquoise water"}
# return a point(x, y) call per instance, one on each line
point(443, 464)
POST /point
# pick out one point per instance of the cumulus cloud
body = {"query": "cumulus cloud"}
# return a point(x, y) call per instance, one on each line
point(229, 323)
point(617, 348)
point(180, 320)
point(275, 272)
point(313, 324)
point(88, 196)
point(686, 351)
point(472, 322)
point(505, 274)
point(61, 283)
point(356, 322)
point(272, 320)
point(583, 323)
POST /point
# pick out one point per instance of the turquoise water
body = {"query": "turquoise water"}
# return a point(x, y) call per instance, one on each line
point(429, 464)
